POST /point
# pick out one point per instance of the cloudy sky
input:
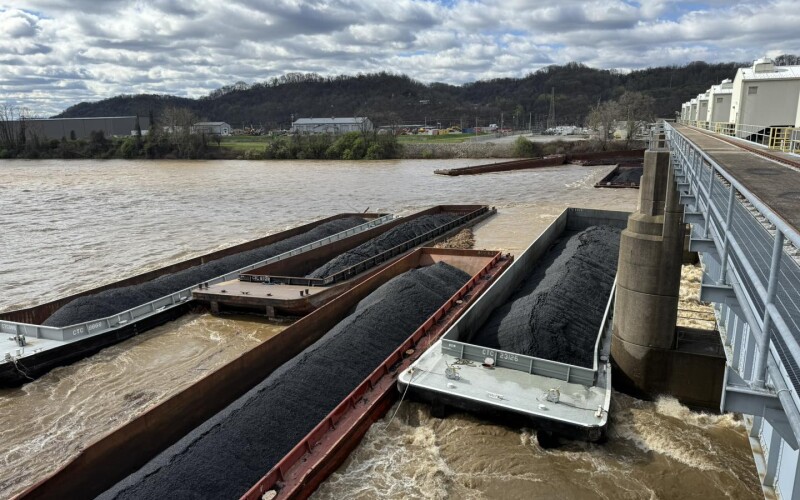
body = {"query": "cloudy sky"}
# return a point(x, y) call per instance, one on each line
point(55, 53)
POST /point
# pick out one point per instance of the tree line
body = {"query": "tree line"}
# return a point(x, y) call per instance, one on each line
point(172, 136)
point(389, 98)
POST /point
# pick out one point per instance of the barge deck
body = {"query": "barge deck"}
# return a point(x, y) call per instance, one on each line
point(557, 398)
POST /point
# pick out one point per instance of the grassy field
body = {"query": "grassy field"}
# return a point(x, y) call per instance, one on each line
point(245, 142)
point(436, 139)
point(242, 143)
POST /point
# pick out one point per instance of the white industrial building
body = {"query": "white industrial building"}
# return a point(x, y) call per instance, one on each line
point(693, 110)
point(765, 95)
point(212, 128)
point(331, 125)
point(685, 111)
point(719, 102)
point(702, 107)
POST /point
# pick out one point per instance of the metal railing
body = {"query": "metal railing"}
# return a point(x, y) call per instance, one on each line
point(102, 325)
point(785, 139)
point(751, 260)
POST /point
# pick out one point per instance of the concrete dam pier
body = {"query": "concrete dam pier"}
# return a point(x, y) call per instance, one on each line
point(650, 355)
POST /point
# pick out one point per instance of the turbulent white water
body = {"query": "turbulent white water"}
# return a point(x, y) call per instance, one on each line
point(70, 226)
point(657, 450)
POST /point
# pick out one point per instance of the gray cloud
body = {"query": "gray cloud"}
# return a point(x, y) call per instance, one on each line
point(55, 53)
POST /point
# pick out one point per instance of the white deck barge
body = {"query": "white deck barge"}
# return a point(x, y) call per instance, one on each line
point(554, 397)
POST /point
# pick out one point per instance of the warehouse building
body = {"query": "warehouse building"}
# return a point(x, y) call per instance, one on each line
point(765, 95)
point(212, 128)
point(331, 125)
point(80, 128)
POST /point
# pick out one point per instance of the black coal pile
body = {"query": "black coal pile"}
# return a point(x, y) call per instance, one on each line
point(116, 300)
point(383, 242)
point(226, 455)
point(627, 175)
point(557, 312)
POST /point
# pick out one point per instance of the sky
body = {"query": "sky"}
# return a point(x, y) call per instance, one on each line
point(56, 53)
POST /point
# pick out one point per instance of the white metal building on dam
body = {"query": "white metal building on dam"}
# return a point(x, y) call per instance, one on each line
point(736, 164)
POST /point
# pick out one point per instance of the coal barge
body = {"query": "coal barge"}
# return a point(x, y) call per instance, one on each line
point(299, 284)
point(560, 394)
point(30, 348)
point(126, 450)
point(65, 330)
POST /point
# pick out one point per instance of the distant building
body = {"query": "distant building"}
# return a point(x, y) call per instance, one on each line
point(765, 95)
point(212, 128)
point(719, 102)
point(80, 128)
point(331, 125)
point(685, 111)
point(702, 107)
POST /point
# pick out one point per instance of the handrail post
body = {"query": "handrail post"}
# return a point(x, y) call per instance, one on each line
point(723, 276)
point(763, 342)
point(709, 213)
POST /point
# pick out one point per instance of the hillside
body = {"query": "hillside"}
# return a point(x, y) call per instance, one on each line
point(393, 99)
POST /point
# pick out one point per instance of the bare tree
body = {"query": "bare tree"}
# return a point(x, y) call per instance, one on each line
point(178, 123)
point(11, 119)
point(603, 118)
point(636, 109)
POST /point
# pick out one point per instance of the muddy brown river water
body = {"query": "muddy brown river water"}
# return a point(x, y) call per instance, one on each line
point(70, 226)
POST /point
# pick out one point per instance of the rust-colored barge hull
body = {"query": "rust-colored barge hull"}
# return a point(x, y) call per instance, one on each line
point(329, 444)
point(594, 158)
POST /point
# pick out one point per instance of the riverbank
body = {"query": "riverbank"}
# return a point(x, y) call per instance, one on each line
point(350, 146)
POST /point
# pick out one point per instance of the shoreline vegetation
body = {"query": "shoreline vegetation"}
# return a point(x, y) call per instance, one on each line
point(350, 146)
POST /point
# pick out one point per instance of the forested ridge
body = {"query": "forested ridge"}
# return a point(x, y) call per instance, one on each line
point(397, 99)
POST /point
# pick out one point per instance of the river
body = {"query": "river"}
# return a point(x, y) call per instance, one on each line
point(70, 226)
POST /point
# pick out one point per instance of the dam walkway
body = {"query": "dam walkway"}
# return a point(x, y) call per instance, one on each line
point(744, 209)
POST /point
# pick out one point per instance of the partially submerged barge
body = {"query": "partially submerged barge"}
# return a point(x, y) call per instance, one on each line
point(30, 349)
point(555, 397)
point(594, 158)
